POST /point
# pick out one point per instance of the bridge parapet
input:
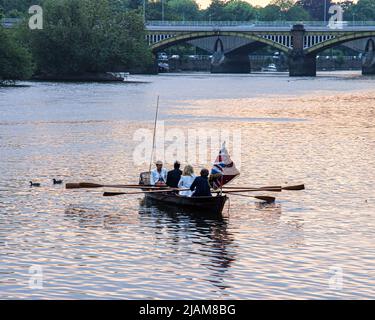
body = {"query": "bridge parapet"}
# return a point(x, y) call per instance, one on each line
point(263, 25)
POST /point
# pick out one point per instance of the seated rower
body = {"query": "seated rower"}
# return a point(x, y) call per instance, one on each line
point(200, 186)
point(174, 175)
point(186, 181)
point(159, 175)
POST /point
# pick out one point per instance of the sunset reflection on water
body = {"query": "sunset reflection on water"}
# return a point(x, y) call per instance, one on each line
point(320, 132)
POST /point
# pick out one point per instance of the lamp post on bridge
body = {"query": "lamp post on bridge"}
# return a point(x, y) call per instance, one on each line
point(325, 11)
point(144, 11)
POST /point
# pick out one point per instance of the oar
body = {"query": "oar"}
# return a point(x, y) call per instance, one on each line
point(263, 198)
point(295, 188)
point(89, 185)
point(272, 189)
point(249, 190)
point(276, 188)
point(111, 194)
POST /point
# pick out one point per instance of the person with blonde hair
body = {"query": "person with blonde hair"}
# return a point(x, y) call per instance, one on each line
point(186, 180)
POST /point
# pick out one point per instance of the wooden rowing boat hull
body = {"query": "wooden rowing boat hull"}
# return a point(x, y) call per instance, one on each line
point(201, 205)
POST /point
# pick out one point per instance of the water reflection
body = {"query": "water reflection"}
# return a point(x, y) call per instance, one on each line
point(116, 248)
point(209, 236)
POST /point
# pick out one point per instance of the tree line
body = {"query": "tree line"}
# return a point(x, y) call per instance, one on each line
point(78, 37)
point(224, 10)
point(238, 10)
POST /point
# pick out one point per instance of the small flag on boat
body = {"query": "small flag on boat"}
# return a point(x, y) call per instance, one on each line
point(224, 169)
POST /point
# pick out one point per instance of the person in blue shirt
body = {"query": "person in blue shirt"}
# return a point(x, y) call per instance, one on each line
point(159, 175)
point(200, 186)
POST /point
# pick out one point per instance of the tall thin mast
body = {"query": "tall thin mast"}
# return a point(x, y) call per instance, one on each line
point(153, 140)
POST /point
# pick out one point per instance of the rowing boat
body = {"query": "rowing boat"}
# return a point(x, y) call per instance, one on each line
point(201, 205)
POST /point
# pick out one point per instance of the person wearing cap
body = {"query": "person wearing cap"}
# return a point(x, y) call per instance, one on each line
point(174, 176)
point(200, 186)
point(158, 175)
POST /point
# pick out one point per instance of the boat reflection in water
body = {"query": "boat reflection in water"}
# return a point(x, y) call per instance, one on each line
point(203, 235)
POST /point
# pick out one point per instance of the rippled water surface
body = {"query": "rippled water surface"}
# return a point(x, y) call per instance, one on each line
point(318, 243)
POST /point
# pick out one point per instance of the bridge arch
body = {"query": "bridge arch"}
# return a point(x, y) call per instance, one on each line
point(338, 40)
point(155, 47)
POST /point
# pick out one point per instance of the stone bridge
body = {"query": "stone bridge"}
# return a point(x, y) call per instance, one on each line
point(231, 42)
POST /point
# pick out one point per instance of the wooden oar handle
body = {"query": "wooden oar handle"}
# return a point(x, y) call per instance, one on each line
point(110, 194)
point(72, 186)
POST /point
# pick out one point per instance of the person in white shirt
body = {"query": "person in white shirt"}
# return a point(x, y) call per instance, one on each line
point(159, 175)
point(186, 180)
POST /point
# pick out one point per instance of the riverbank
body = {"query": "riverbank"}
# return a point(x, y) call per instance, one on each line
point(84, 77)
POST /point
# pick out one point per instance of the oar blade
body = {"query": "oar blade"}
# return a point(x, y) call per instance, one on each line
point(112, 194)
point(295, 188)
point(266, 198)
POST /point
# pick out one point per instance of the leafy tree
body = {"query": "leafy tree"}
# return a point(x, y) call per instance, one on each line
point(238, 10)
point(284, 5)
point(289, 10)
point(19, 5)
point(297, 13)
point(183, 9)
point(216, 11)
point(88, 36)
point(364, 10)
point(15, 60)
point(316, 8)
point(271, 12)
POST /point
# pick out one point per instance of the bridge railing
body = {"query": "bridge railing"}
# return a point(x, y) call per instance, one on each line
point(322, 24)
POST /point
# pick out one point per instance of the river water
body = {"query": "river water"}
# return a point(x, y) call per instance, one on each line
point(315, 244)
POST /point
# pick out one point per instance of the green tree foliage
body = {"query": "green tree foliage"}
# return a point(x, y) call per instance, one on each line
point(297, 13)
point(284, 5)
point(15, 60)
point(183, 9)
point(271, 12)
point(17, 6)
point(364, 10)
point(88, 36)
point(216, 11)
point(316, 8)
point(284, 10)
point(237, 10)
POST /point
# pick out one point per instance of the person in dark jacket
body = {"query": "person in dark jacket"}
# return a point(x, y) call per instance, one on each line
point(174, 176)
point(200, 186)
